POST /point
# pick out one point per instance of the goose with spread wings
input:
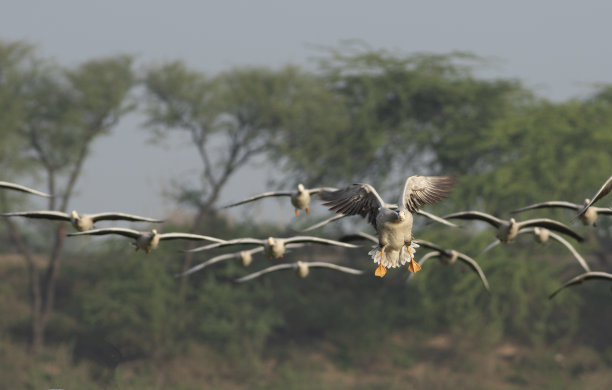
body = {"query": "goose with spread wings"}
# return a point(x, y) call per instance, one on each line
point(448, 257)
point(393, 227)
point(508, 230)
point(81, 222)
point(589, 217)
point(147, 241)
point(274, 247)
point(603, 191)
point(542, 235)
point(581, 278)
point(302, 269)
point(20, 188)
point(300, 199)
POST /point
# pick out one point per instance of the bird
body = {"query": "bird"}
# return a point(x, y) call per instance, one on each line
point(390, 206)
point(541, 236)
point(274, 247)
point(147, 241)
point(246, 258)
point(603, 191)
point(393, 227)
point(18, 187)
point(302, 269)
point(589, 217)
point(448, 257)
point(81, 222)
point(581, 278)
point(507, 230)
point(300, 199)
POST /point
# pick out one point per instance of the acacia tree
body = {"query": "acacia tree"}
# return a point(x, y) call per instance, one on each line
point(231, 118)
point(65, 111)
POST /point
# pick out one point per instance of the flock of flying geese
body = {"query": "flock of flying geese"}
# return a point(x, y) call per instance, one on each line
point(394, 241)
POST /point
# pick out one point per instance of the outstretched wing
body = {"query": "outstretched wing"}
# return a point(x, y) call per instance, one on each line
point(552, 203)
point(358, 199)
point(264, 271)
point(256, 197)
point(122, 217)
point(603, 191)
point(422, 261)
point(188, 236)
point(100, 232)
point(429, 245)
point(569, 246)
point(581, 278)
point(318, 240)
point(422, 190)
point(551, 224)
point(476, 215)
point(475, 267)
point(220, 244)
point(323, 223)
point(54, 215)
point(436, 218)
point(18, 187)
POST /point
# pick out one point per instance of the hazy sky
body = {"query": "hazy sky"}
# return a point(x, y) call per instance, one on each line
point(557, 48)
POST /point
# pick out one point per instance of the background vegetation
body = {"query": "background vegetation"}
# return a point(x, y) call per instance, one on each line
point(113, 318)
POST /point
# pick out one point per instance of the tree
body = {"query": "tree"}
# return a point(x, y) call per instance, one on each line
point(65, 111)
point(231, 119)
point(407, 115)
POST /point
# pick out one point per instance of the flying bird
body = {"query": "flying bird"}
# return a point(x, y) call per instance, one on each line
point(581, 278)
point(448, 257)
point(541, 236)
point(508, 230)
point(81, 222)
point(300, 199)
point(301, 268)
point(603, 191)
point(147, 241)
point(589, 217)
point(393, 227)
point(18, 187)
point(274, 247)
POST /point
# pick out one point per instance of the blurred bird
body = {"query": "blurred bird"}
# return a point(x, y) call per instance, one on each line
point(147, 241)
point(603, 191)
point(541, 236)
point(589, 217)
point(448, 257)
point(507, 230)
point(581, 278)
point(273, 247)
point(393, 227)
point(302, 269)
point(81, 222)
point(300, 199)
point(18, 187)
